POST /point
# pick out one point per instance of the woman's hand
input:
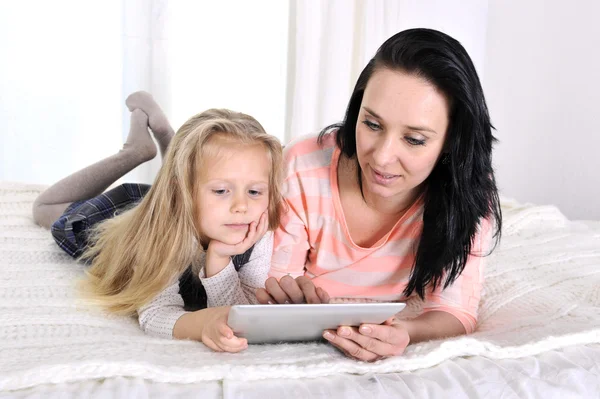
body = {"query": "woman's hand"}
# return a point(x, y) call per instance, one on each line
point(217, 335)
point(288, 290)
point(370, 342)
point(219, 254)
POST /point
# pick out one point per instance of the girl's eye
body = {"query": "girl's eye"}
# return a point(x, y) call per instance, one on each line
point(371, 125)
point(219, 192)
point(413, 141)
point(254, 193)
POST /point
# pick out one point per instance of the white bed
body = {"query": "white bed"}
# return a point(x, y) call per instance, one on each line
point(538, 336)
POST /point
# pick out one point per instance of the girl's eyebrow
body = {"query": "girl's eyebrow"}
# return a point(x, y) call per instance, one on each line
point(414, 128)
point(220, 180)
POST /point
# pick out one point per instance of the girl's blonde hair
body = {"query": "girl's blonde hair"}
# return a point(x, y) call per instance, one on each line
point(137, 254)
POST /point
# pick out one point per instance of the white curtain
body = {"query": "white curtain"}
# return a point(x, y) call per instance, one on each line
point(332, 40)
point(67, 66)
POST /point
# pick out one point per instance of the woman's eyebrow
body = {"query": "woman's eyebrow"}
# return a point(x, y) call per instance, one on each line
point(369, 110)
point(415, 128)
point(421, 129)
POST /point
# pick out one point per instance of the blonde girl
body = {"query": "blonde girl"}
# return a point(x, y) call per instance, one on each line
point(181, 252)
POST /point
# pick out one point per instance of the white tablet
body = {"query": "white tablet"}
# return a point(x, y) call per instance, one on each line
point(261, 324)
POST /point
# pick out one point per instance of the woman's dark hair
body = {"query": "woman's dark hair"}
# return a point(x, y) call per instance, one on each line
point(460, 191)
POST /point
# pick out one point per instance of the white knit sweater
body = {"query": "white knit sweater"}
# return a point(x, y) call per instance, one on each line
point(542, 292)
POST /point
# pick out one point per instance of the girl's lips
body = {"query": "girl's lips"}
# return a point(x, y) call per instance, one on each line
point(237, 225)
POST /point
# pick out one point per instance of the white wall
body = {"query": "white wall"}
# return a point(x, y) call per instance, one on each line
point(542, 82)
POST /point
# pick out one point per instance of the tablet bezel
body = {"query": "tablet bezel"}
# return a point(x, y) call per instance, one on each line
point(304, 322)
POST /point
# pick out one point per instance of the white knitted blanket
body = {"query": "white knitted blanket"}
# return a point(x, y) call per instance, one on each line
point(542, 292)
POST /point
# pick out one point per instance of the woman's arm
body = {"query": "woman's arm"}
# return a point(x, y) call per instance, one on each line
point(431, 325)
point(446, 313)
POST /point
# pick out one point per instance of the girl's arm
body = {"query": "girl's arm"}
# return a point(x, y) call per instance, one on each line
point(229, 287)
point(158, 317)
point(165, 317)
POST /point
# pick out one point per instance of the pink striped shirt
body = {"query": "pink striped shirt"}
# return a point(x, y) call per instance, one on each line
point(314, 241)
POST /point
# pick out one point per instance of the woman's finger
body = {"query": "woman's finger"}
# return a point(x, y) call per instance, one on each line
point(349, 347)
point(292, 289)
point(370, 344)
point(308, 289)
point(323, 295)
point(274, 289)
point(263, 297)
point(393, 335)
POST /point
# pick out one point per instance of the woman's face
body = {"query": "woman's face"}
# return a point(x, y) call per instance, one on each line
point(400, 133)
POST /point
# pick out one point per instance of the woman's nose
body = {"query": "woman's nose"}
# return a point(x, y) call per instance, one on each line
point(385, 151)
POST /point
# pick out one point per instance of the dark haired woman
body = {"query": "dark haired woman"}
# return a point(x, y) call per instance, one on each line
point(397, 200)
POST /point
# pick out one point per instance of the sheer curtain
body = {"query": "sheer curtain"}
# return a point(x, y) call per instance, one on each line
point(67, 67)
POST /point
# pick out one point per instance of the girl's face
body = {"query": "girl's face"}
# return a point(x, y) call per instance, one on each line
point(400, 133)
point(233, 192)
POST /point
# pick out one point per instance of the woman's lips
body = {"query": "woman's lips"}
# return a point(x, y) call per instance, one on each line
point(384, 179)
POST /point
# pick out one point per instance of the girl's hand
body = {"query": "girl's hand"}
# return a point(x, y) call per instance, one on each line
point(370, 342)
point(219, 254)
point(288, 290)
point(217, 335)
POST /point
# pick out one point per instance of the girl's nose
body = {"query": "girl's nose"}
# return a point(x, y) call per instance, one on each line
point(240, 204)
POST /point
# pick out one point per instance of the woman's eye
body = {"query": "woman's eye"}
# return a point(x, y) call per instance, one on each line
point(254, 193)
point(371, 125)
point(219, 192)
point(413, 141)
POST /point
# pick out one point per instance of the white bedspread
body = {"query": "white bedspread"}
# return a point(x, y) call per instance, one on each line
point(541, 293)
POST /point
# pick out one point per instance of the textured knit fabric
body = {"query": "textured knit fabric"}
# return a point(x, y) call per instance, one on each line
point(541, 292)
point(314, 241)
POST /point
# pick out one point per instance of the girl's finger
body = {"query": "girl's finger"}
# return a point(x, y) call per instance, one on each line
point(233, 344)
point(225, 331)
point(264, 223)
point(211, 344)
point(274, 289)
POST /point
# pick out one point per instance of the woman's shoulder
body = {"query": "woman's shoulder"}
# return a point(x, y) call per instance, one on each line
point(308, 152)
